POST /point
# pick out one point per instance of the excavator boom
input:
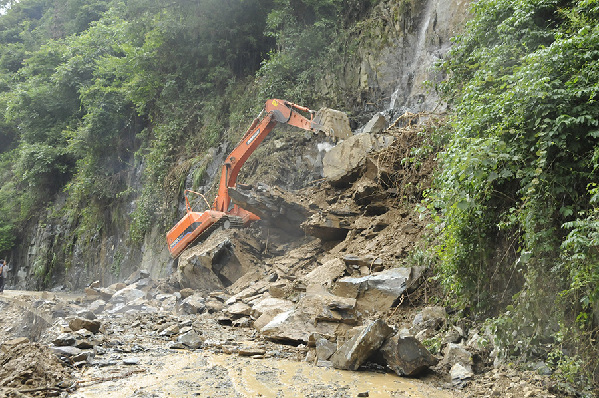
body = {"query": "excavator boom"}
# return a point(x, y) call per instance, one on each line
point(196, 225)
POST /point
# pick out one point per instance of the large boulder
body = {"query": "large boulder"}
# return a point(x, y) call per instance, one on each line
point(430, 318)
point(127, 295)
point(76, 324)
point(194, 304)
point(294, 326)
point(278, 208)
point(379, 291)
point(342, 164)
point(327, 226)
point(271, 305)
point(321, 306)
point(357, 349)
point(215, 263)
point(406, 356)
point(335, 123)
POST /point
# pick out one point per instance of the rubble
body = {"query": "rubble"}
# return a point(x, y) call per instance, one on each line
point(343, 296)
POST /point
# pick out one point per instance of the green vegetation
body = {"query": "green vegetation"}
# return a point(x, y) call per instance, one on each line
point(517, 195)
point(92, 90)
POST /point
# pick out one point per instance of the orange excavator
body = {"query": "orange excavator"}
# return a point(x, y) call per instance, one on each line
point(195, 225)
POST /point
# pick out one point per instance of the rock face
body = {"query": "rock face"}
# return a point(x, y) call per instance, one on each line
point(406, 356)
point(341, 165)
point(356, 350)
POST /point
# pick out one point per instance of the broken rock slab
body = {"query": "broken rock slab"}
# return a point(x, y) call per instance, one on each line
point(431, 318)
point(377, 124)
point(128, 294)
point(278, 209)
point(379, 291)
point(368, 261)
point(324, 349)
point(357, 349)
point(457, 353)
point(322, 306)
point(406, 356)
point(271, 305)
point(194, 304)
point(327, 226)
point(76, 324)
point(460, 375)
point(325, 274)
point(294, 326)
point(212, 264)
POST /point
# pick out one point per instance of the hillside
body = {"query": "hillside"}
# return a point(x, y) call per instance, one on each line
point(475, 127)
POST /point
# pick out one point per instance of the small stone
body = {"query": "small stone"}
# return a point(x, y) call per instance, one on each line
point(131, 361)
point(363, 394)
point(82, 323)
point(251, 352)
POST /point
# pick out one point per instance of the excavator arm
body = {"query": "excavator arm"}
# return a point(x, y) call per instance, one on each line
point(275, 111)
point(195, 225)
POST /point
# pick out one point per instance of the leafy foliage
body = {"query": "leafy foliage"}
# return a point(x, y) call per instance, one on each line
point(513, 188)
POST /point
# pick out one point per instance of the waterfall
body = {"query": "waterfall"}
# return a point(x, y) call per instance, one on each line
point(418, 62)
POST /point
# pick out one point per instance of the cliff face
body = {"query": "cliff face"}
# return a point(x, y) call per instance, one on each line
point(396, 48)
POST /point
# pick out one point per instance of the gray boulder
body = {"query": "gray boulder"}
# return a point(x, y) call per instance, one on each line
point(376, 125)
point(325, 274)
point(295, 326)
point(128, 294)
point(357, 349)
point(342, 164)
point(406, 356)
point(324, 349)
point(431, 318)
point(377, 292)
point(335, 123)
point(194, 304)
point(191, 340)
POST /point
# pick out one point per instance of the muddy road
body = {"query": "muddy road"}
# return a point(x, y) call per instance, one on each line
point(203, 374)
point(132, 356)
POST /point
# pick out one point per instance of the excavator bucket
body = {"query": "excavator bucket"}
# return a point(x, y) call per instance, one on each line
point(335, 123)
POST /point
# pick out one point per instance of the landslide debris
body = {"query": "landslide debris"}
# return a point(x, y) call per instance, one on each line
point(31, 369)
point(327, 277)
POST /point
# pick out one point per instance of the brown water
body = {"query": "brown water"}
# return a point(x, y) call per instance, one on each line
point(187, 374)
